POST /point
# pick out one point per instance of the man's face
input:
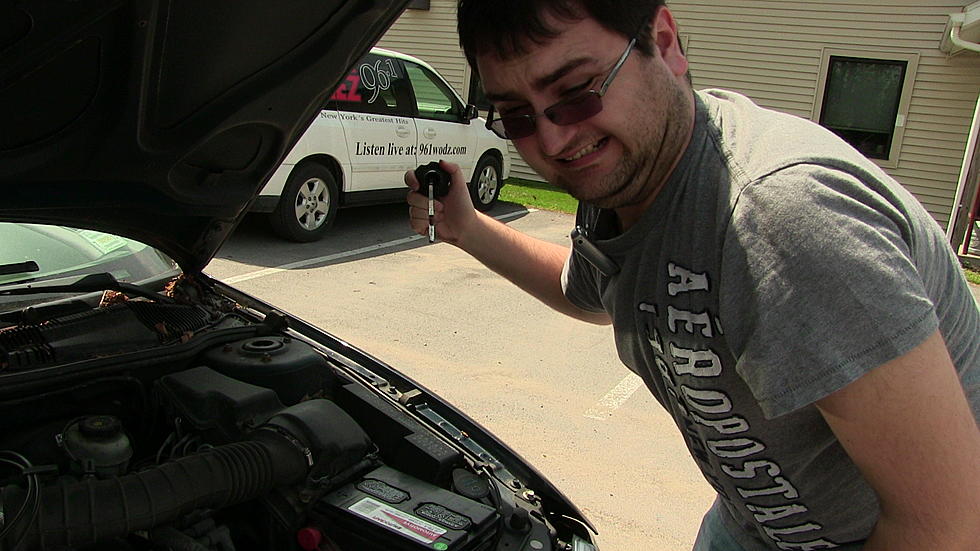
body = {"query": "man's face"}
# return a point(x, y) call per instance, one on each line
point(617, 158)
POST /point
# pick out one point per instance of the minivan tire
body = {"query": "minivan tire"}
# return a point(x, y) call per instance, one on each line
point(308, 204)
point(485, 187)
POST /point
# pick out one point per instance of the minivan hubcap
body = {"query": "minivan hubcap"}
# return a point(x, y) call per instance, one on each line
point(312, 204)
point(487, 184)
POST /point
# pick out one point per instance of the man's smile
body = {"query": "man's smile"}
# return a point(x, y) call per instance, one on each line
point(585, 152)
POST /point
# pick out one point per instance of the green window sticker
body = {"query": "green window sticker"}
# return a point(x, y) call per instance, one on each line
point(104, 242)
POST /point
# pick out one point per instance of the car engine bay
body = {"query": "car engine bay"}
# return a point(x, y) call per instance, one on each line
point(206, 422)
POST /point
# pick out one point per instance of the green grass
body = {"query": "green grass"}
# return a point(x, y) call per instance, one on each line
point(538, 195)
point(972, 276)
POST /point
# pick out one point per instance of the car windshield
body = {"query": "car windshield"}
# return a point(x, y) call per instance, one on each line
point(39, 255)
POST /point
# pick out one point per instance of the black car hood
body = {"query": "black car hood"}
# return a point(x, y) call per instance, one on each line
point(162, 120)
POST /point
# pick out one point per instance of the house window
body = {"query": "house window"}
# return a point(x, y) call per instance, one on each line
point(864, 100)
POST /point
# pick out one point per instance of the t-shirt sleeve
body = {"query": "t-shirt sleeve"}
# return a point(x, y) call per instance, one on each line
point(818, 285)
point(580, 283)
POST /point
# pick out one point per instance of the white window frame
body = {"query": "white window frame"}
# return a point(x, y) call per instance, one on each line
point(912, 64)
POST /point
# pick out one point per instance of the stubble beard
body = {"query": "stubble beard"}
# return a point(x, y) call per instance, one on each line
point(641, 172)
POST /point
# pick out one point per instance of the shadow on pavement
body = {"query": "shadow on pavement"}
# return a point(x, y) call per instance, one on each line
point(374, 228)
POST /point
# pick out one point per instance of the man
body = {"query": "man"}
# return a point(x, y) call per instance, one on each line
point(794, 309)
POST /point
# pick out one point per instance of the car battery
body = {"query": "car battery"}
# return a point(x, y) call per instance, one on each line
point(390, 510)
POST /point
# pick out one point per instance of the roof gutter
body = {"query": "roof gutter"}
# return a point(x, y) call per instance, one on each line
point(962, 31)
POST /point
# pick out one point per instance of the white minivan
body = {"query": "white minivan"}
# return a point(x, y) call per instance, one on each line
point(392, 113)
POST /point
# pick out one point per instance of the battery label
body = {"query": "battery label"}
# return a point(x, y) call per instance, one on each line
point(396, 520)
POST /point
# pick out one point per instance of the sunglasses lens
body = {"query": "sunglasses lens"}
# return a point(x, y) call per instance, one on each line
point(575, 109)
point(571, 111)
point(515, 128)
point(497, 126)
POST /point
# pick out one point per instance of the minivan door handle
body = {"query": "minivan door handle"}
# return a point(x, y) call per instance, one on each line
point(429, 133)
point(402, 131)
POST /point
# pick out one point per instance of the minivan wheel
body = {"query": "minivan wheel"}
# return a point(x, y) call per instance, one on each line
point(308, 204)
point(485, 186)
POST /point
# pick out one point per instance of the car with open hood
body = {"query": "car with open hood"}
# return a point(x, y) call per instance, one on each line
point(147, 405)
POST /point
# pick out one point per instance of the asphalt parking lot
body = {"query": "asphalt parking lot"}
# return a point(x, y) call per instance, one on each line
point(551, 387)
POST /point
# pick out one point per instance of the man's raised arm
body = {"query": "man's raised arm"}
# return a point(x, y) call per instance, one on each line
point(532, 264)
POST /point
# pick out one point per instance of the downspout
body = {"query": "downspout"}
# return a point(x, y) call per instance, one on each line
point(951, 38)
point(971, 147)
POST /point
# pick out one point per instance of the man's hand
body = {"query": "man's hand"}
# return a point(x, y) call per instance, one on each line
point(908, 427)
point(454, 212)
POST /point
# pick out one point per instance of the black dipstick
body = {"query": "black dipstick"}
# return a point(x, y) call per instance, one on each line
point(433, 183)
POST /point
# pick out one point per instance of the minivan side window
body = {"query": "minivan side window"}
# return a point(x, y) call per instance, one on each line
point(376, 85)
point(433, 98)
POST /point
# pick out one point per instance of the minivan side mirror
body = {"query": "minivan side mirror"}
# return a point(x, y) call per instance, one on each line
point(472, 112)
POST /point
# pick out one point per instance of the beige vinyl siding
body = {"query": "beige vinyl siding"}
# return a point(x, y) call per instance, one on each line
point(520, 169)
point(770, 50)
point(431, 36)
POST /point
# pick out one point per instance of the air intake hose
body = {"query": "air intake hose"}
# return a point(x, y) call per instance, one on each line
point(80, 513)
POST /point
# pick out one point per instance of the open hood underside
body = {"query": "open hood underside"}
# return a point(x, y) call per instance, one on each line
point(161, 120)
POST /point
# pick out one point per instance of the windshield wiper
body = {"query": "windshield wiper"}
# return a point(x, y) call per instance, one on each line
point(19, 268)
point(92, 283)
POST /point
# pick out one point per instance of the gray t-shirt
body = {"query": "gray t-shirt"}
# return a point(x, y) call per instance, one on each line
point(776, 266)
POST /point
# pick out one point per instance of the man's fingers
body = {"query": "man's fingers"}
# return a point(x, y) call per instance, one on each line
point(419, 201)
point(418, 204)
point(416, 199)
point(416, 213)
point(411, 181)
point(455, 174)
point(421, 212)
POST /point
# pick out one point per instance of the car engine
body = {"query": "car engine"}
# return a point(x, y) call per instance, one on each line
point(207, 423)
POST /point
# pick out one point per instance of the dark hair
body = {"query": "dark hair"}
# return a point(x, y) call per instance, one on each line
point(507, 27)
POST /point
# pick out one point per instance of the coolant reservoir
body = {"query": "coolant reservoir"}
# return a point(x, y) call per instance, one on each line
point(97, 445)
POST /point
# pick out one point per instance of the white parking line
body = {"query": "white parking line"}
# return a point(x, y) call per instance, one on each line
point(337, 256)
point(604, 408)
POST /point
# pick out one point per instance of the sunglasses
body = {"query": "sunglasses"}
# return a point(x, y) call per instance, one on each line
point(565, 112)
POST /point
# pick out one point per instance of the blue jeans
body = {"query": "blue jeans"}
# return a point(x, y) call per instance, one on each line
point(713, 536)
